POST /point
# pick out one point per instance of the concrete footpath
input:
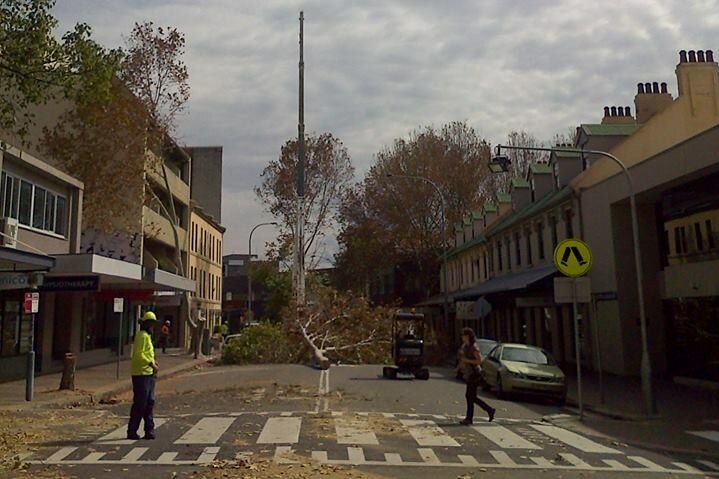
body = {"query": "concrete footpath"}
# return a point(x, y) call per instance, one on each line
point(92, 384)
point(683, 410)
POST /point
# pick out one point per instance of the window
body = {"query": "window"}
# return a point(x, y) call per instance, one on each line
point(38, 208)
point(517, 248)
point(553, 226)
point(710, 234)
point(698, 236)
point(568, 224)
point(499, 255)
point(25, 211)
point(540, 239)
point(680, 240)
point(33, 206)
point(508, 249)
point(528, 240)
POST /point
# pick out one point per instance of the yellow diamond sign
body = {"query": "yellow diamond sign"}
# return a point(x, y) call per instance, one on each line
point(572, 257)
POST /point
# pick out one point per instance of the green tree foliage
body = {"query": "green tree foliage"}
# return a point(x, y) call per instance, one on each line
point(387, 221)
point(35, 67)
point(264, 343)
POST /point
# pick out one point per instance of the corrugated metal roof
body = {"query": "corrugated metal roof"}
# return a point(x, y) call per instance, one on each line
point(609, 130)
point(541, 168)
point(531, 209)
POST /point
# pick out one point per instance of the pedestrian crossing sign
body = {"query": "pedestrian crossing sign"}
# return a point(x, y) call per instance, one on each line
point(573, 258)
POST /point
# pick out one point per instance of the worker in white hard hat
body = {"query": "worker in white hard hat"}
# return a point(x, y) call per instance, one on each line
point(144, 370)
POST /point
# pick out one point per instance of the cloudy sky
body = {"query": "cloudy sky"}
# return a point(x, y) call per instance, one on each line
point(377, 69)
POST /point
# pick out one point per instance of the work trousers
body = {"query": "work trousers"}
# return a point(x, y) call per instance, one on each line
point(472, 399)
point(143, 402)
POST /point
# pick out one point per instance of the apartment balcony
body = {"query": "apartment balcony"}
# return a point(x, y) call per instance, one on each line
point(180, 189)
point(159, 228)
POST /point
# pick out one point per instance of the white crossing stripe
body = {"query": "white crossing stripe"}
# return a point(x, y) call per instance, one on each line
point(167, 457)
point(61, 454)
point(709, 464)
point(468, 460)
point(652, 466)
point(320, 456)
point(686, 467)
point(505, 438)
point(281, 430)
point(502, 458)
point(354, 431)
point(575, 440)
point(356, 455)
point(393, 458)
point(428, 456)
point(573, 460)
point(119, 435)
point(208, 454)
point(542, 461)
point(427, 433)
point(285, 414)
point(207, 430)
point(711, 435)
point(93, 457)
point(135, 454)
point(613, 463)
point(281, 452)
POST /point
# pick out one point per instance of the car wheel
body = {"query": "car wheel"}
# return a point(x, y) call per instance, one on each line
point(500, 390)
point(485, 385)
point(422, 374)
point(562, 401)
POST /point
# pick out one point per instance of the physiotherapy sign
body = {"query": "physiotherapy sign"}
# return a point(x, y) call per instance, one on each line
point(573, 258)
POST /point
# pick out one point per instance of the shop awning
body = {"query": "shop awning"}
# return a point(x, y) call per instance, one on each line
point(12, 259)
point(110, 270)
point(508, 282)
point(164, 281)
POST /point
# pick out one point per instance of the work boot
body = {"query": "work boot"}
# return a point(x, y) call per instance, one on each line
point(491, 414)
point(465, 422)
point(149, 436)
point(133, 437)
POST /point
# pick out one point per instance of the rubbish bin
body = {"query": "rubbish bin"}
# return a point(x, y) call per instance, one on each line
point(68, 371)
point(206, 346)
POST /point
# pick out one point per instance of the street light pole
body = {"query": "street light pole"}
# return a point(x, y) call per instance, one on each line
point(452, 332)
point(249, 261)
point(646, 366)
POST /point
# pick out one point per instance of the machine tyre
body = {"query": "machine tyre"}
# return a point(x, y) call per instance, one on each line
point(422, 374)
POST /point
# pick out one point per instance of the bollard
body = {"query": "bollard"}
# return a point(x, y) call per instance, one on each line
point(68, 372)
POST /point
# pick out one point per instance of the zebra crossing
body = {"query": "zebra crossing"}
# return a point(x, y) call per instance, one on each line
point(370, 438)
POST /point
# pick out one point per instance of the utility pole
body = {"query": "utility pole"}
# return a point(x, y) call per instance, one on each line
point(299, 229)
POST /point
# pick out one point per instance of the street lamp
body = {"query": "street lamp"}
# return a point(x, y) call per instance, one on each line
point(444, 247)
point(646, 366)
point(249, 260)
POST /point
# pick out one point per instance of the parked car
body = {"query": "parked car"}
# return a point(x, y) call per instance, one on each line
point(484, 345)
point(518, 368)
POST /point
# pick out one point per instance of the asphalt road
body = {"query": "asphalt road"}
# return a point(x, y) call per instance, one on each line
point(402, 428)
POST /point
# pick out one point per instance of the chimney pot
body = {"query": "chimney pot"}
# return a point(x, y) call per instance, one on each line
point(700, 56)
point(655, 87)
point(647, 87)
point(614, 111)
point(640, 87)
point(683, 56)
point(710, 55)
point(692, 56)
point(606, 111)
point(664, 87)
point(627, 111)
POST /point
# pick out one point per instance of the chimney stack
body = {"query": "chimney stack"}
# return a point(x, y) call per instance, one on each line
point(651, 98)
point(617, 115)
point(698, 78)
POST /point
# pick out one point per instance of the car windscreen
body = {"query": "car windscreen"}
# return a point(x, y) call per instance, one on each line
point(485, 347)
point(525, 355)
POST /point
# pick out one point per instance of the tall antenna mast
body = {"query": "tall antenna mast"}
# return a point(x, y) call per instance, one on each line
point(300, 233)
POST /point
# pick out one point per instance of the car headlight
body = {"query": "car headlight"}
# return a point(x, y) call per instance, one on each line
point(558, 379)
point(515, 374)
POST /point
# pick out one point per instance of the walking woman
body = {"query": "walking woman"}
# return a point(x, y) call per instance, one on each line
point(469, 362)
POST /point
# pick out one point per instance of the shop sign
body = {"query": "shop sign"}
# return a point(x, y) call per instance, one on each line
point(15, 281)
point(70, 283)
point(118, 305)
